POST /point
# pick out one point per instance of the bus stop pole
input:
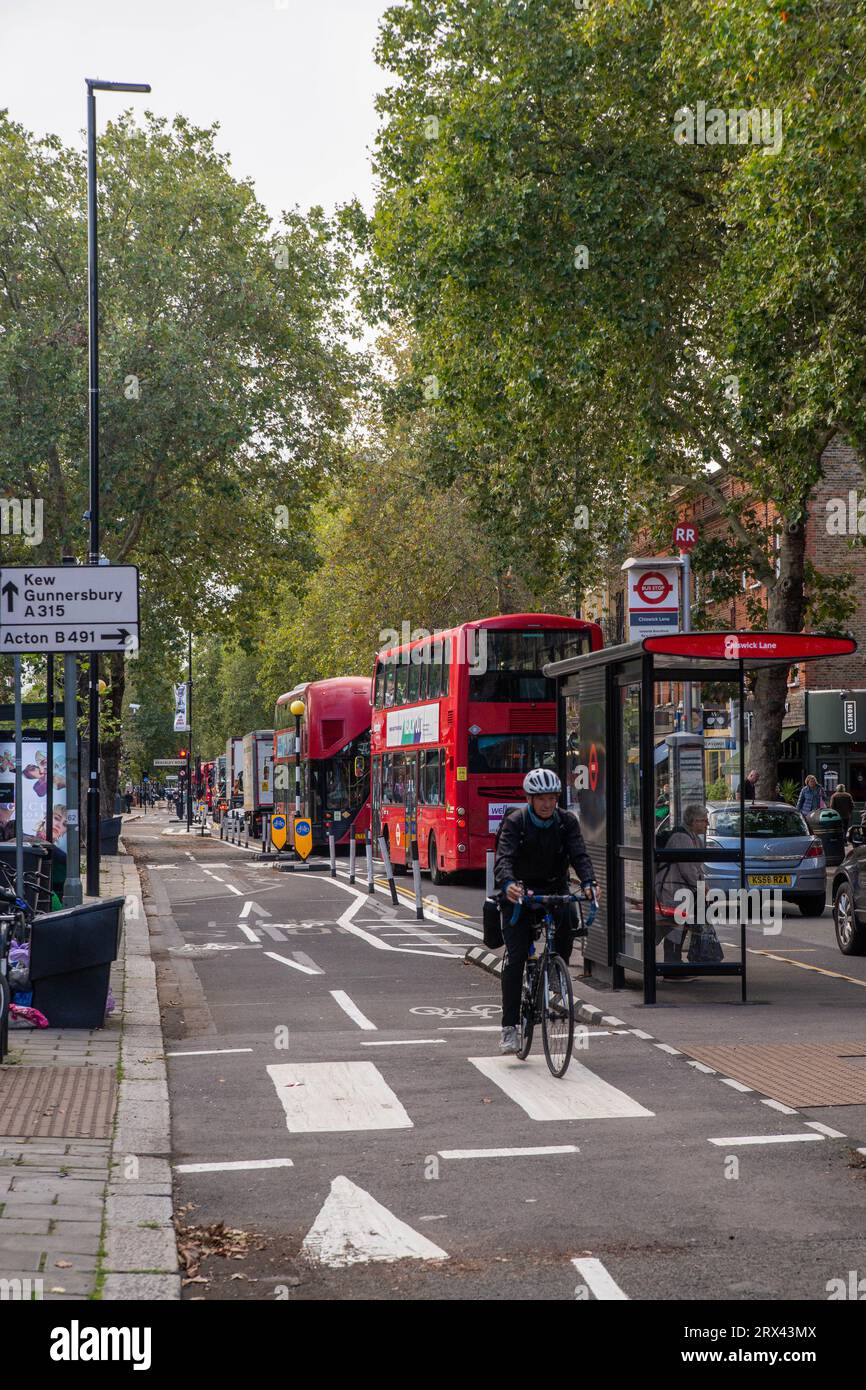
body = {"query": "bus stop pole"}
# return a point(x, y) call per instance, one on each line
point(389, 872)
point(19, 784)
point(647, 822)
point(369, 848)
point(743, 911)
point(353, 850)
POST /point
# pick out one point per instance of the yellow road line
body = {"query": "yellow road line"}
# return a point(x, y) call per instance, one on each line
point(801, 965)
point(431, 902)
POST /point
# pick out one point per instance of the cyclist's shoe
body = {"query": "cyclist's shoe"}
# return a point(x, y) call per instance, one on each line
point(510, 1041)
point(580, 931)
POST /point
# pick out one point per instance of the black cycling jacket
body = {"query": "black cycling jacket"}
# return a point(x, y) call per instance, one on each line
point(540, 858)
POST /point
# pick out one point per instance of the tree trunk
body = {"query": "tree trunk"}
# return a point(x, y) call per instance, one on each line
point(785, 610)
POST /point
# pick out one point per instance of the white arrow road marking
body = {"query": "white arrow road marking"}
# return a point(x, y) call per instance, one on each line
point(348, 1006)
point(248, 933)
point(598, 1280)
point(295, 964)
point(353, 1228)
point(335, 1097)
point(579, 1095)
point(250, 906)
point(304, 959)
point(243, 1166)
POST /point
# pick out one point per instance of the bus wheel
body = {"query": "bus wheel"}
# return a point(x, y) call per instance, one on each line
point(437, 875)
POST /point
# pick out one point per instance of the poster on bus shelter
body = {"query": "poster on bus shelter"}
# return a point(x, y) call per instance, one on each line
point(34, 767)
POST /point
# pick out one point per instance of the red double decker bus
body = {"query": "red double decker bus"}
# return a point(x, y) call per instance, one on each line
point(335, 756)
point(459, 718)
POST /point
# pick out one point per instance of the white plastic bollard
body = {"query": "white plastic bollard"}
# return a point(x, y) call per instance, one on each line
point(371, 887)
point(332, 850)
point(416, 878)
point(489, 867)
point(353, 851)
point(389, 872)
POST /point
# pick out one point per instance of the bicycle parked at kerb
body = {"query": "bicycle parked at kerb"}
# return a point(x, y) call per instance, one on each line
point(15, 918)
point(547, 996)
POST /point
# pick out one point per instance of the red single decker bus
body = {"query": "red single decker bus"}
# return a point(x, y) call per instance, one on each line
point(459, 718)
point(335, 756)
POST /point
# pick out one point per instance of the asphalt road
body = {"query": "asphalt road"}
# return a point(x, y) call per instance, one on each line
point(323, 1033)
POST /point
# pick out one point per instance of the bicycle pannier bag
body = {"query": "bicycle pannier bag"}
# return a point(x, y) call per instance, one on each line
point(492, 923)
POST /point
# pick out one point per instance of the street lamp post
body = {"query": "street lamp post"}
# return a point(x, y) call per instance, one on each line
point(297, 709)
point(94, 85)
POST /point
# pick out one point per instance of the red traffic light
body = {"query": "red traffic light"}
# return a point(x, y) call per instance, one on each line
point(183, 752)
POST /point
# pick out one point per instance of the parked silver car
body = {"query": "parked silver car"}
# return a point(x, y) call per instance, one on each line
point(781, 852)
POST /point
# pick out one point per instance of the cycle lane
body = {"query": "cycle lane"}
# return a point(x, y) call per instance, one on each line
point(637, 1187)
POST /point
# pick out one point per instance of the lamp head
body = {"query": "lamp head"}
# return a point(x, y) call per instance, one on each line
point(297, 708)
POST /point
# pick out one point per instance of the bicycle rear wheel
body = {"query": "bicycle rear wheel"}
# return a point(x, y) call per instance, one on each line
point(557, 1015)
point(527, 1010)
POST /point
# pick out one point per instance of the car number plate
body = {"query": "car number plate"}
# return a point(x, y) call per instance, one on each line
point(769, 880)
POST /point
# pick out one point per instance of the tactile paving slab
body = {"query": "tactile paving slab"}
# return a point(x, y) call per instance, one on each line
point(57, 1102)
point(796, 1074)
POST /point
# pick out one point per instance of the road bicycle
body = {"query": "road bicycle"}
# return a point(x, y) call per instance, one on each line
point(547, 996)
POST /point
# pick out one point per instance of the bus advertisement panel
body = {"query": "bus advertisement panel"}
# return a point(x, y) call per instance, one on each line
point(459, 718)
point(335, 756)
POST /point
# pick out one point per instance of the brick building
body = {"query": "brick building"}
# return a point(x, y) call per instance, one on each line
point(824, 731)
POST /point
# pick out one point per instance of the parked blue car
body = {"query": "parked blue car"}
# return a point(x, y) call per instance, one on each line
point(781, 852)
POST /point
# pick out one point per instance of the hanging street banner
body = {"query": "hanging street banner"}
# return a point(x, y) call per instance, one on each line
point(181, 718)
point(68, 608)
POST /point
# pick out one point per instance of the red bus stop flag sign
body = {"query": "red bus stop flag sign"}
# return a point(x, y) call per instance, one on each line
point(750, 647)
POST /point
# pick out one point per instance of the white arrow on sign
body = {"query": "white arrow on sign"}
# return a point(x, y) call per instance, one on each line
point(66, 608)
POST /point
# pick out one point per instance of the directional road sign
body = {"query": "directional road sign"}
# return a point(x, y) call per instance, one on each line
point(303, 836)
point(68, 608)
point(169, 762)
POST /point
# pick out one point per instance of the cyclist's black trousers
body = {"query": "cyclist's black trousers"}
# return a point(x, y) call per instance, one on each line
point(518, 940)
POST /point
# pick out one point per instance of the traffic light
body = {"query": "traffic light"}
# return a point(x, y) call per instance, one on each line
point(182, 752)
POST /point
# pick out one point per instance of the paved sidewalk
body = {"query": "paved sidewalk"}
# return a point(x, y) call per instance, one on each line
point(90, 1215)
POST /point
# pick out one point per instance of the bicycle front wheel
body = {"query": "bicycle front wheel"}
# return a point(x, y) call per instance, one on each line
point(557, 1015)
point(527, 1011)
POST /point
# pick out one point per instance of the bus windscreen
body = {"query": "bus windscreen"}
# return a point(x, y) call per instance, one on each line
point(509, 664)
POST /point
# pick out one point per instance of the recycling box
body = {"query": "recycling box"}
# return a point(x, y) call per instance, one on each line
point(71, 952)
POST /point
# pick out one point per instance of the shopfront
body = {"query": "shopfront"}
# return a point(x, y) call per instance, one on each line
point(651, 788)
point(836, 722)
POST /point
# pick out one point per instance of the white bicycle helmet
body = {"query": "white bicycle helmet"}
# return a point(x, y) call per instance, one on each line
point(540, 781)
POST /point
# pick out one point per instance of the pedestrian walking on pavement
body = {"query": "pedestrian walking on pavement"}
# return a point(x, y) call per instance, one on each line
point(750, 786)
point(811, 797)
point(842, 802)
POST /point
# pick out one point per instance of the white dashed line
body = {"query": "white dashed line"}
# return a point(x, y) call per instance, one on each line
point(341, 997)
point(732, 1140)
point(599, 1282)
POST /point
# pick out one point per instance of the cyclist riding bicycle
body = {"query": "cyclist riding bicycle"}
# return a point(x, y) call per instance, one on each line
point(534, 848)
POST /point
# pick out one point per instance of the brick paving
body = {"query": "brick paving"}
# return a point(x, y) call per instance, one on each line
point(72, 1222)
point(799, 1075)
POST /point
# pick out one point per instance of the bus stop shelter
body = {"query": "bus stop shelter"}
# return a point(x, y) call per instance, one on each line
point(646, 731)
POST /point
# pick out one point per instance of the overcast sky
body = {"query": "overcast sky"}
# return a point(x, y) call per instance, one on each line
point(291, 82)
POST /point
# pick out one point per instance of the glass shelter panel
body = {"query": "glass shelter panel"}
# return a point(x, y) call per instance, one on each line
point(700, 902)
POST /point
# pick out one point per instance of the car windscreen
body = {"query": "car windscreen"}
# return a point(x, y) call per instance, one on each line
point(767, 823)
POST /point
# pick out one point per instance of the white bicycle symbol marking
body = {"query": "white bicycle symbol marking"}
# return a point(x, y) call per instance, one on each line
point(477, 1011)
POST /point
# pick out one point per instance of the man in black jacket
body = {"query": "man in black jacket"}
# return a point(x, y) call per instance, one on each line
point(535, 845)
